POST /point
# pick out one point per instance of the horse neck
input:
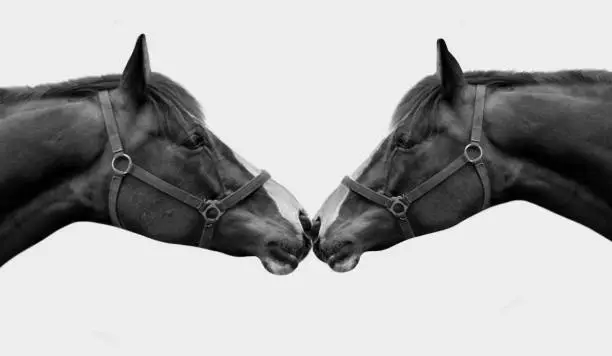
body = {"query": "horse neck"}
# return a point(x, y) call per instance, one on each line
point(552, 149)
point(48, 151)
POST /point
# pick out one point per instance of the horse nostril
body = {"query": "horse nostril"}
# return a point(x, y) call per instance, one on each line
point(305, 220)
point(302, 213)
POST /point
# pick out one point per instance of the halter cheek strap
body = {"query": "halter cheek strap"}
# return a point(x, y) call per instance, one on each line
point(472, 154)
point(211, 210)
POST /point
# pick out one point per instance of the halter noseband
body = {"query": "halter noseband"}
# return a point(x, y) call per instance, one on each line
point(399, 205)
point(211, 210)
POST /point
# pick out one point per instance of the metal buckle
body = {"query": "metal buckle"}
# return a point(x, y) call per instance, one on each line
point(469, 146)
point(403, 208)
point(211, 207)
point(118, 170)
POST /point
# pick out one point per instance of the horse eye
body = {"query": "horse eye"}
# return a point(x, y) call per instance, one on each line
point(195, 141)
point(404, 141)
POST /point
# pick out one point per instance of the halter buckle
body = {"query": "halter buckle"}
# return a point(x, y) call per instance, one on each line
point(398, 208)
point(211, 213)
point(118, 156)
point(468, 147)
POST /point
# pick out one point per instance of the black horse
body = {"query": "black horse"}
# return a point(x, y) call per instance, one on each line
point(133, 150)
point(461, 142)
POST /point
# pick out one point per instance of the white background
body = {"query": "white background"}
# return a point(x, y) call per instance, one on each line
point(306, 91)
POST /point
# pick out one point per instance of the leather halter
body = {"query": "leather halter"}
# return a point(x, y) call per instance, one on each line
point(399, 205)
point(211, 210)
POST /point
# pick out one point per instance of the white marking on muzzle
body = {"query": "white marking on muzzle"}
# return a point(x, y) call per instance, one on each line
point(286, 203)
point(330, 209)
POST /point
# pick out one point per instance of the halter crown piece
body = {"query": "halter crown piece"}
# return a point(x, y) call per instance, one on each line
point(211, 210)
point(472, 154)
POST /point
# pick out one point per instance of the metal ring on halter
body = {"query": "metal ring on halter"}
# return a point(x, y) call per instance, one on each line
point(118, 170)
point(211, 207)
point(467, 155)
point(397, 202)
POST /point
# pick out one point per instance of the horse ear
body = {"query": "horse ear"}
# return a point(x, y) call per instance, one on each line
point(137, 71)
point(449, 72)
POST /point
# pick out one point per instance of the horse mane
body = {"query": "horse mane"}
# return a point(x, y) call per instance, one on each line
point(164, 93)
point(421, 99)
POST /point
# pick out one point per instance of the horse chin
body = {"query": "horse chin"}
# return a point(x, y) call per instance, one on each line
point(279, 268)
point(344, 264)
point(282, 256)
point(279, 260)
